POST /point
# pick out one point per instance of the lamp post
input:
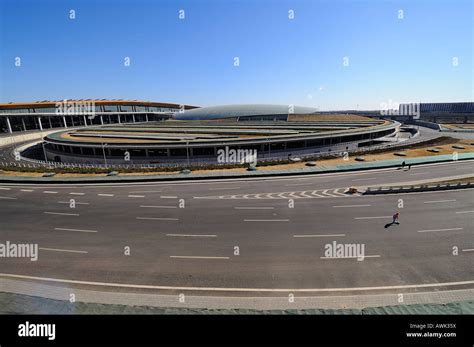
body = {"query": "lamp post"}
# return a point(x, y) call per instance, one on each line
point(103, 150)
point(187, 151)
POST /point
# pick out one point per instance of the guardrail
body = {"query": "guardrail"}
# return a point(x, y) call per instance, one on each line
point(417, 188)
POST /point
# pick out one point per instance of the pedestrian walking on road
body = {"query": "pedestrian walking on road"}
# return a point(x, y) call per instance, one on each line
point(395, 218)
point(403, 164)
point(409, 166)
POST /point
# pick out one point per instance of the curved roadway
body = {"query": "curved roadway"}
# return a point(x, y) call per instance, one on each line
point(280, 248)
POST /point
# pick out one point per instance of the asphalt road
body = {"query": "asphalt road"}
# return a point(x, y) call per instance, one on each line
point(279, 246)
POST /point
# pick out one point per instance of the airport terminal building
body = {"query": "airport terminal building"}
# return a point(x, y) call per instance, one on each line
point(42, 115)
point(121, 132)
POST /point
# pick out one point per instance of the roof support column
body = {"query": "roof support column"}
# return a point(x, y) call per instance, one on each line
point(101, 120)
point(118, 116)
point(9, 125)
point(146, 117)
point(23, 123)
point(64, 120)
point(85, 120)
point(133, 117)
point(39, 123)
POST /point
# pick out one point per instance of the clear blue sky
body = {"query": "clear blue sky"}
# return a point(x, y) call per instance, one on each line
point(282, 61)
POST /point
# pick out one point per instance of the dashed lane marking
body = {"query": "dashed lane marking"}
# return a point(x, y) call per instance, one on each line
point(266, 220)
point(62, 214)
point(254, 208)
point(157, 218)
point(79, 230)
point(341, 206)
point(196, 257)
point(62, 250)
point(327, 235)
point(438, 201)
point(433, 230)
point(354, 257)
point(190, 235)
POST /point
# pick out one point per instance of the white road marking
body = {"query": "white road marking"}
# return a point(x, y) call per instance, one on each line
point(190, 235)
point(7, 198)
point(224, 188)
point(468, 250)
point(299, 184)
point(74, 193)
point(136, 196)
point(3, 188)
point(61, 250)
point(77, 202)
point(328, 235)
point(27, 190)
point(266, 220)
point(80, 230)
point(419, 173)
point(254, 208)
point(157, 218)
point(337, 206)
point(196, 257)
point(430, 230)
point(460, 212)
point(365, 256)
point(241, 289)
point(325, 192)
point(145, 191)
point(436, 201)
point(105, 194)
point(378, 217)
point(168, 197)
point(148, 206)
point(49, 192)
point(63, 214)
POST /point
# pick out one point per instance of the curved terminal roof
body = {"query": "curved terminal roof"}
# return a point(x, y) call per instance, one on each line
point(230, 111)
point(49, 103)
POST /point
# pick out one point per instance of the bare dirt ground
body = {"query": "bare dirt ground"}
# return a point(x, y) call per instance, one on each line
point(459, 126)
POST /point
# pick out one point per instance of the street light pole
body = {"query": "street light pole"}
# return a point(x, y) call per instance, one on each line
point(103, 151)
point(187, 151)
point(42, 144)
